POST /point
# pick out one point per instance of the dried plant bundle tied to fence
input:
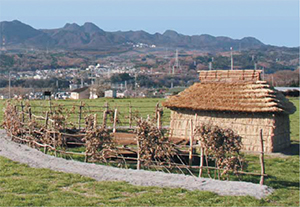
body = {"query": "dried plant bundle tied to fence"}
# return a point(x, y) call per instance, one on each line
point(99, 145)
point(221, 145)
point(153, 145)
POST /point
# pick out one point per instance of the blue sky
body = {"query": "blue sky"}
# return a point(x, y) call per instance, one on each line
point(274, 22)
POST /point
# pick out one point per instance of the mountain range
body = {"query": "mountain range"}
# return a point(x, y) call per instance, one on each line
point(15, 34)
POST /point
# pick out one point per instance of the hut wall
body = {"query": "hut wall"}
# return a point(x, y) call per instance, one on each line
point(281, 138)
point(247, 125)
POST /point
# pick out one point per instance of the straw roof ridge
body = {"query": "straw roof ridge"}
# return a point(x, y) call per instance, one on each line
point(228, 96)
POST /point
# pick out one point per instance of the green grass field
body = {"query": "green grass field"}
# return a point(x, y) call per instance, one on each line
point(21, 185)
point(141, 107)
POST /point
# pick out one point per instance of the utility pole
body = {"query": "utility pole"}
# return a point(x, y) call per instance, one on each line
point(210, 63)
point(176, 64)
point(231, 58)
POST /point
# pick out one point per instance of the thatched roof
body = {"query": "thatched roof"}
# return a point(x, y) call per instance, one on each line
point(239, 96)
point(208, 76)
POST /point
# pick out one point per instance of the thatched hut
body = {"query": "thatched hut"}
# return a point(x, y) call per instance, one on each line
point(235, 99)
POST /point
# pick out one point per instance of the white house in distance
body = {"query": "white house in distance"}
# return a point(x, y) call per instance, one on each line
point(80, 93)
point(110, 93)
point(93, 93)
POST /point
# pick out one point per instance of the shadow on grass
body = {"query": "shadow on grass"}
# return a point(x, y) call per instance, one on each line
point(293, 149)
point(271, 181)
point(282, 184)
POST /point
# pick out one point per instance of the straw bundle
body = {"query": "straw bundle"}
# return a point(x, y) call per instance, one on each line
point(229, 75)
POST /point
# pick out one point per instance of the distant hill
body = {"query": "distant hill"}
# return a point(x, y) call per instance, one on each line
point(91, 37)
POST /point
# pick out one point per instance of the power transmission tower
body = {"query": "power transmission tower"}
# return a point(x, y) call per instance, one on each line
point(176, 64)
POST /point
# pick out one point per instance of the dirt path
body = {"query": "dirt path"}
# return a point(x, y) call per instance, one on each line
point(37, 159)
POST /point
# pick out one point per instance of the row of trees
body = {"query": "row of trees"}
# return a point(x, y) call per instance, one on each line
point(155, 81)
point(33, 83)
point(284, 78)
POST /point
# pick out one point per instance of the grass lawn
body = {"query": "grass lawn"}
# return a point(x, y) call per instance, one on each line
point(22, 185)
point(141, 107)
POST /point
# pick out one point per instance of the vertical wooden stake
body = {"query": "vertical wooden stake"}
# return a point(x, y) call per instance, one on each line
point(30, 115)
point(47, 120)
point(54, 143)
point(22, 108)
point(158, 119)
point(195, 120)
point(138, 165)
point(218, 169)
point(262, 163)
point(201, 161)
point(50, 104)
point(130, 115)
point(86, 157)
point(45, 143)
point(156, 110)
point(172, 125)
point(115, 120)
point(95, 121)
point(105, 116)
point(80, 114)
point(191, 144)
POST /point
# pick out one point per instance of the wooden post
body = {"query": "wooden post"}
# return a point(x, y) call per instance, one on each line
point(105, 115)
point(262, 163)
point(191, 144)
point(156, 110)
point(158, 120)
point(47, 120)
point(29, 112)
point(95, 121)
point(115, 120)
point(80, 114)
point(195, 120)
point(86, 158)
point(171, 125)
point(30, 119)
point(201, 161)
point(138, 165)
point(45, 148)
point(54, 143)
point(130, 115)
point(50, 104)
point(22, 108)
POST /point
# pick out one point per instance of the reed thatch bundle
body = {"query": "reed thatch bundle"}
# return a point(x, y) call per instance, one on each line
point(228, 96)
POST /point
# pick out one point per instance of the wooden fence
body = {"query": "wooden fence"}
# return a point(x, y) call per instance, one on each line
point(53, 130)
point(112, 116)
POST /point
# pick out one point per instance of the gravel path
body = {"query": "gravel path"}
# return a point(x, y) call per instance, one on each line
point(37, 159)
